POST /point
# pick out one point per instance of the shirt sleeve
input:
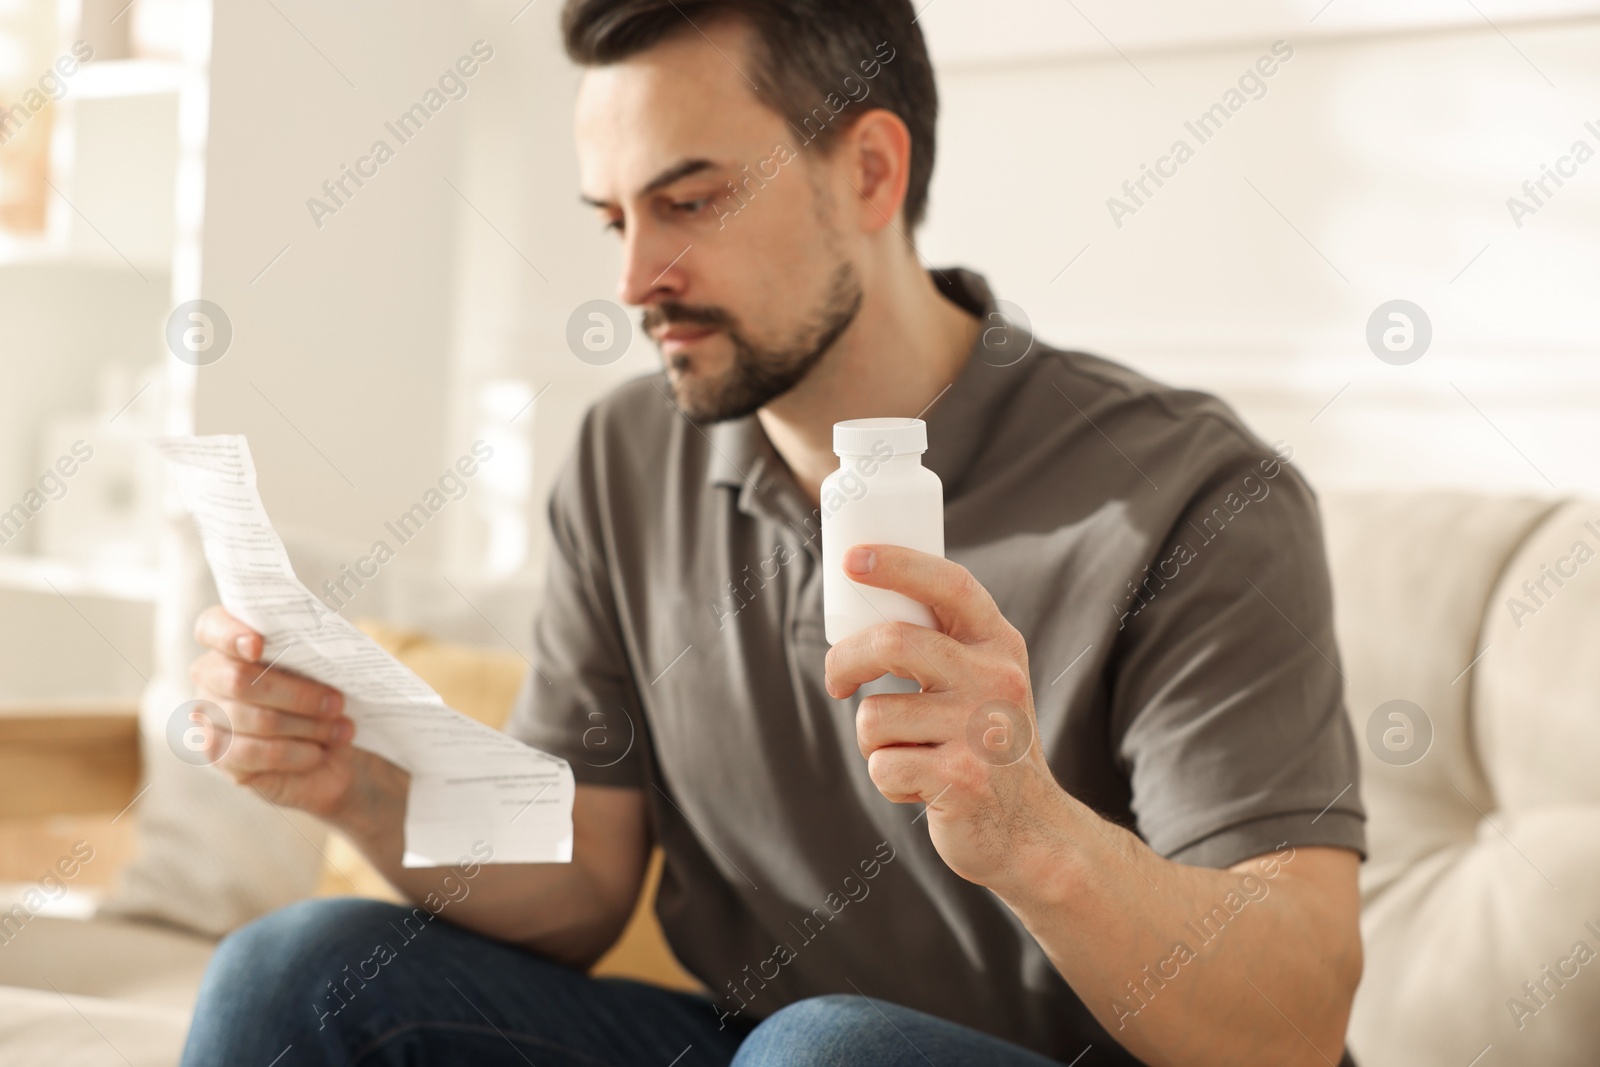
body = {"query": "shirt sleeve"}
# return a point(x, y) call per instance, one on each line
point(579, 700)
point(1228, 709)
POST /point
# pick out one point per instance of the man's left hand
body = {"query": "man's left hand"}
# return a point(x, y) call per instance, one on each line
point(967, 746)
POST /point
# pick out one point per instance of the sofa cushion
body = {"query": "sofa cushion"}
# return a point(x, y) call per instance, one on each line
point(93, 992)
point(1412, 574)
point(135, 962)
point(1537, 690)
point(75, 1031)
point(1484, 871)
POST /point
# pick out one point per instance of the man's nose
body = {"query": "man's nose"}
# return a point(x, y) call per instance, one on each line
point(653, 267)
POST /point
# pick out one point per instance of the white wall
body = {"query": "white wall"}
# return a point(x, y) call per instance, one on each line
point(339, 367)
point(1393, 156)
point(1049, 31)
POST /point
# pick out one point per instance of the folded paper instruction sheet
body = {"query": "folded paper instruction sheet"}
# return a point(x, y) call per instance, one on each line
point(469, 782)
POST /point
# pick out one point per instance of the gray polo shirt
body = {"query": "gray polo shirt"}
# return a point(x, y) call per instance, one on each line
point(1165, 566)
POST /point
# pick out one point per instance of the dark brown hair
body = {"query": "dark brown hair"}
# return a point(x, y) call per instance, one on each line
point(804, 52)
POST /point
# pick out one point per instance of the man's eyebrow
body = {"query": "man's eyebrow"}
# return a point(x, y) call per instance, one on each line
point(676, 172)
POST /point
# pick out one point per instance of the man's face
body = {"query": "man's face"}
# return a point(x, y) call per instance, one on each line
point(743, 291)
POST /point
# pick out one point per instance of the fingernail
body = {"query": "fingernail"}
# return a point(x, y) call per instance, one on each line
point(330, 702)
point(344, 731)
point(243, 645)
point(860, 560)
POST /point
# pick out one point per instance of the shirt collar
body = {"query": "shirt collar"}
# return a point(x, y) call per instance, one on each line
point(960, 420)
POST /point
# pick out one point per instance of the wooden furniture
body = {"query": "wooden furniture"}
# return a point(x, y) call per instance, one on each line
point(57, 761)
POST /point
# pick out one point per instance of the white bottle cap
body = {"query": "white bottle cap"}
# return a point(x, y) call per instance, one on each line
point(867, 437)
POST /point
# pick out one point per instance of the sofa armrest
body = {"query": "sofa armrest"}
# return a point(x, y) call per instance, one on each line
point(67, 761)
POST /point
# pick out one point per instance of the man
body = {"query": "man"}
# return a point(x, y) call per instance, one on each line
point(1116, 823)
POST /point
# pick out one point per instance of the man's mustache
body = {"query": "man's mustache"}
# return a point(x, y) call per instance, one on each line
point(671, 313)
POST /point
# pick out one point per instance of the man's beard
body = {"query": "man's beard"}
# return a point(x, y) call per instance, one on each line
point(758, 374)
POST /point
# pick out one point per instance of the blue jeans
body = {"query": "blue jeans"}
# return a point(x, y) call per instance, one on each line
point(352, 981)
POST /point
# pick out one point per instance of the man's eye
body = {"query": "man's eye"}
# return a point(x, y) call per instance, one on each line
point(691, 207)
point(612, 226)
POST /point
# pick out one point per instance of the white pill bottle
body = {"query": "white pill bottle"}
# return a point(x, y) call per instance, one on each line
point(881, 494)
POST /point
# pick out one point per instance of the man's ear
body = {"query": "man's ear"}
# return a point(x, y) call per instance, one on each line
point(876, 154)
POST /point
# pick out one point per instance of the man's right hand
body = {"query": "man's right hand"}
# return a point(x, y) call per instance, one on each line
point(285, 735)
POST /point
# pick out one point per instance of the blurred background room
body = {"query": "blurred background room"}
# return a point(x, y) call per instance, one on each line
point(182, 250)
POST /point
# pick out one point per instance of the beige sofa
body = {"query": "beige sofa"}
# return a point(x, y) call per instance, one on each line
point(1482, 787)
point(1484, 865)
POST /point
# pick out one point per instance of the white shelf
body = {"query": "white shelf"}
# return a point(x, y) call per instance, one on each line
point(42, 574)
point(118, 78)
point(16, 248)
point(51, 251)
